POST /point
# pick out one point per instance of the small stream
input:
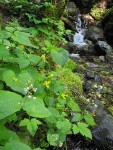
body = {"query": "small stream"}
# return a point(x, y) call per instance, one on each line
point(95, 63)
point(79, 37)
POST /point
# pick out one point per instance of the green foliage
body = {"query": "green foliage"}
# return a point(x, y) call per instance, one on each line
point(32, 125)
point(36, 93)
point(13, 103)
point(60, 57)
point(16, 145)
point(108, 12)
point(72, 81)
point(97, 12)
point(71, 65)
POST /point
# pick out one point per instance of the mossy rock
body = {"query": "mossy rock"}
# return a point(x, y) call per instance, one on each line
point(97, 12)
point(72, 82)
point(71, 65)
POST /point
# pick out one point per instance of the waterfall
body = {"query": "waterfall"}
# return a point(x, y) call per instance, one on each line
point(79, 37)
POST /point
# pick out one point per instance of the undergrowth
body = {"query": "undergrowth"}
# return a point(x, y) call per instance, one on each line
point(38, 106)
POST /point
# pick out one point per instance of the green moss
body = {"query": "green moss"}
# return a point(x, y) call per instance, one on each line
point(71, 65)
point(111, 109)
point(72, 82)
point(97, 12)
point(108, 11)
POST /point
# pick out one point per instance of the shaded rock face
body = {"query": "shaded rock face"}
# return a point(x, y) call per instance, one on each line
point(94, 34)
point(71, 8)
point(107, 24)
point(109, 58)
point(94, 57)
point(98, 83)
point(84, 5)
point(103, 134)
point(102, 48)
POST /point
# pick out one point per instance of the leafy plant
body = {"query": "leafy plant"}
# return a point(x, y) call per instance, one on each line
point(34, 98)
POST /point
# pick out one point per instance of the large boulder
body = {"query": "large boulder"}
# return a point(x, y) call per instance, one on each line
point(94, 34)
point(103, 133)
point(85, 5)
point(102, 48)
point(71, 8)
point(107, 24)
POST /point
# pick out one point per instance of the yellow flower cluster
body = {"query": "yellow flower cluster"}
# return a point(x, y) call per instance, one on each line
point(50, 76)
point(15, 79)
point(43, 57)
point(63, 96)
point(47, 83)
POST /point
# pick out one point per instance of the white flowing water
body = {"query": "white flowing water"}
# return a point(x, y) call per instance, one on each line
point(79, 37)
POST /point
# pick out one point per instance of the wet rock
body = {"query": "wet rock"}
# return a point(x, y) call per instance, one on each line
point(70, 47)
point(102, 48)
point(89, 18)
point(109, 58)
point(71, 8)
point(84, 4)
point(94, 34)
point(97, 78)
point(92, 65)
point(102, 58)
point(90, 75)
point(100, 112)
point(85, 50)
point(103, 134)
point(87, 86)
point(75, 57)
point(69, 37)
point(69, 24)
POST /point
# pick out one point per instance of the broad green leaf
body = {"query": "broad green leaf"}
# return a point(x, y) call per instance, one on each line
point(54, 115)
point(34, 59)
point(16, 145)
point(5, 35)
point(10, 29)
point(32, 71)
point(9, 103)
point(36, 108)
point(32, 125)
point(24, 122)
point(64, 126)
point(6, 134)
point(38, 149)
point(74, 106)
point(17, 83)
point(83, 128)
point(22, 38)
point(52, 137)
point(1, 85)
point(89, 119)
point(60, 57)
point(81, 124)
point(12, 81)
point(75, 129)
point(4, 52)
point(6, 42)
point(77, 117)
point(23, 62)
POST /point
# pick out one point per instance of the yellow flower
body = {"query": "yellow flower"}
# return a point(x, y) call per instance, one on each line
point(15, 79)
point(42, 72)
point(46, 83)
point(50, 76)
point(43, 57)
point(63, 96)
